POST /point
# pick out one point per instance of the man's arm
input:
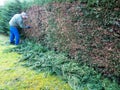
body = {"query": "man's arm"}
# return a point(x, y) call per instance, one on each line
point(21, 24)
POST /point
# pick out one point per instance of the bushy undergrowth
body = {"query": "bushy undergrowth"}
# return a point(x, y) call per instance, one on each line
point(79, 77)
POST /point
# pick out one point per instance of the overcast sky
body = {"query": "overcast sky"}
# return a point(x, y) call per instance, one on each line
point(2, 2)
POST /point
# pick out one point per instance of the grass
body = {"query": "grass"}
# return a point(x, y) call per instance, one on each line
point(13, 76)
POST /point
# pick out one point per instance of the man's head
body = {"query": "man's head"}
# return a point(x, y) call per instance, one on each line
point(24, 15)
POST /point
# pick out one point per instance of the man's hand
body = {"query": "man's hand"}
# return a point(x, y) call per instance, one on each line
point(28, 27)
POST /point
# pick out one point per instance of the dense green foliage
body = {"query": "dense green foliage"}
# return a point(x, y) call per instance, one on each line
point(105, 11)
point(79, 77)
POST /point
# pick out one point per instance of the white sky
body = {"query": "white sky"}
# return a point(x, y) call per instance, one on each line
point(2, 2)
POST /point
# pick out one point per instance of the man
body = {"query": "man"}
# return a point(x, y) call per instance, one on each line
point(15, 22)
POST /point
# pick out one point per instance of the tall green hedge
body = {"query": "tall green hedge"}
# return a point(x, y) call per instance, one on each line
point(107, 12)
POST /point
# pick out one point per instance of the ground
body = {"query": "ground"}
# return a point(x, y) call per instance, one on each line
point(14, 76)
